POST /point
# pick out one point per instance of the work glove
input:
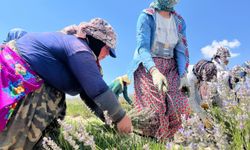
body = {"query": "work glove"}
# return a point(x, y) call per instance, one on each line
point(205, 106)
point(184, 82)
point(159, 80)
point(208, 123)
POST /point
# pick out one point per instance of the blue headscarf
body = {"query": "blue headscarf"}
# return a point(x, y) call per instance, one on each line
point(165, 5)
point(15, 34)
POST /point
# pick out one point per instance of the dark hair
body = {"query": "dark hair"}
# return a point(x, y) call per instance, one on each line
point(95, 44)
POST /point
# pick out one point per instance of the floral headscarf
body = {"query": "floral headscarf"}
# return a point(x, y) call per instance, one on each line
point(165, 5)
point(97, 27)
point(222, 52)
point(15, 34)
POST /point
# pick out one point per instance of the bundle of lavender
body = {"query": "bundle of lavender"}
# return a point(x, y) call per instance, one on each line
point(141, 119)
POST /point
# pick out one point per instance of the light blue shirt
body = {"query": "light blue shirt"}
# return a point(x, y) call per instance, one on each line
point(145, 36)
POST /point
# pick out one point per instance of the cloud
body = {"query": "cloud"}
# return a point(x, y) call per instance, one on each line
point(209, 50)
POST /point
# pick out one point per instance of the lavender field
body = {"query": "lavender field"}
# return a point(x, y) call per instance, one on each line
point(230, 126)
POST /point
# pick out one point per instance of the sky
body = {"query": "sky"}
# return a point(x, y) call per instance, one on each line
point(210, 23)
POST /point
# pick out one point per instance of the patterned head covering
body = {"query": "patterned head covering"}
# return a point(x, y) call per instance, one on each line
point(205, 70)
point(97, 28)
point(15, 34)
point(165, 5)
point(222, 52)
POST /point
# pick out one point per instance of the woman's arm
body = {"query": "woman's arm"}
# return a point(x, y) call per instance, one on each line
point(181, 49)
point(125, 94)
point(84, 68)
point(143, 39)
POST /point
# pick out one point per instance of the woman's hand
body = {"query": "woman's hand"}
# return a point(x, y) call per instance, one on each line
point(125, 125)
point(184, 86)
point(159, 80)
point(184, 82)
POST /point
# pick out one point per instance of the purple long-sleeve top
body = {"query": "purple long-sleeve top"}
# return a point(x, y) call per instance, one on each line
point(63, 61)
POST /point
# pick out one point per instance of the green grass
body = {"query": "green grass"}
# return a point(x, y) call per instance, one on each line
point(76, 108)
point(105, 137)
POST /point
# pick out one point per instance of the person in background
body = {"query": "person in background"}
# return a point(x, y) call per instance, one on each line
point(245, 75)
point(239, 73)
point(200, 76)
point(220, 59)
point(202, 72)
point(159, 68)
point(239, 79)
point(43, 68)
point(120, 85)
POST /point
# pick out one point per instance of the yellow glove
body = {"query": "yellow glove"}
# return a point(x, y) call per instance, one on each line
point(205, 106)
point(207, 123)
point(159, 80)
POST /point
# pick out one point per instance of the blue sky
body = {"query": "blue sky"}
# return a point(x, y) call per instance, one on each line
point(209, 23)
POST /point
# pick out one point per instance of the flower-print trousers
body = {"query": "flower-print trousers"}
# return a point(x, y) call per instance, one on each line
point(168, 107)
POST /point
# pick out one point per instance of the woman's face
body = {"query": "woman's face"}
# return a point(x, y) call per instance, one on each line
point(104, 52)
point(225, 60)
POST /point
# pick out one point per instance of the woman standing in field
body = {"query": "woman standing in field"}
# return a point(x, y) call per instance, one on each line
point(160, 59)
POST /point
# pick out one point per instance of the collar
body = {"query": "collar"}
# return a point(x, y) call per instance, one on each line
point(151, 11)
point(219, 65)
